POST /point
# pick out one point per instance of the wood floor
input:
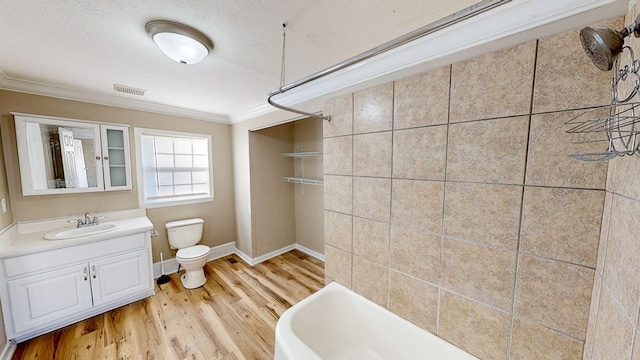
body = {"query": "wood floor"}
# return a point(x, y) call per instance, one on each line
point(232, 316)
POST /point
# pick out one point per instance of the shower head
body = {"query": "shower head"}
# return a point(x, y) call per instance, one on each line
point(604, 45)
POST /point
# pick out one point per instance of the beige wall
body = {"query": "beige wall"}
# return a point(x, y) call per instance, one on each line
point(218, 215)
point(450, 199)
point(613, 321)
point(258, 170)
point(309, 199)
point(242, 175)
point(272, 200)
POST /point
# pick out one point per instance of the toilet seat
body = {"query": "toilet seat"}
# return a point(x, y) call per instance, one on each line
point(193, 252)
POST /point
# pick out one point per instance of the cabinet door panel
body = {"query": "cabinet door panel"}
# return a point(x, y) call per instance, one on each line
point(40, 299)
point(119, 276)
point(116, 157)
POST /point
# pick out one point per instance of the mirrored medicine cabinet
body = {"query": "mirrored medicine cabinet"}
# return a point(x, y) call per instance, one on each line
point(61, 156)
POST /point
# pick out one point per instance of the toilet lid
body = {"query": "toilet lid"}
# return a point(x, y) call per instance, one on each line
point(193, 252)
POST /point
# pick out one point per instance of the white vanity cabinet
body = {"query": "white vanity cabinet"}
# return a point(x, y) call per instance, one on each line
point(48, 290)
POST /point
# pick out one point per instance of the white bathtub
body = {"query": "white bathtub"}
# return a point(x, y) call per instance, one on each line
point(336, 323)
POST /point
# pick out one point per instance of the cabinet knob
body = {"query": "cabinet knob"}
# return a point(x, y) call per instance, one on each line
point(93, 271)
point(106, 158)
point(86, 275)
point(97, 157)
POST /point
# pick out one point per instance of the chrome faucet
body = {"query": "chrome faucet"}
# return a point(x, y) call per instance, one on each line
point(88, 221)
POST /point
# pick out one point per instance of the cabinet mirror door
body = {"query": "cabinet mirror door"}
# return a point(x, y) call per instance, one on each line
point(58, 156)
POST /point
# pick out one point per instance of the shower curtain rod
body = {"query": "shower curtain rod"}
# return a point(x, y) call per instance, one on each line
point(404, 39)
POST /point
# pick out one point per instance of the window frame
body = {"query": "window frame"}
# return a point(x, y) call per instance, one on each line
point(177, 200)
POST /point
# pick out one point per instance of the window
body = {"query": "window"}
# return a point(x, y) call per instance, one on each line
point(173, 167)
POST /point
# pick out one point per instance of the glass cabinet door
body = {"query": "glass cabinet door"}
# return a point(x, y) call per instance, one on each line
point(115, 153)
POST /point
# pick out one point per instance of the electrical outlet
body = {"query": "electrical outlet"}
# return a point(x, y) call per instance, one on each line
point(3, 202)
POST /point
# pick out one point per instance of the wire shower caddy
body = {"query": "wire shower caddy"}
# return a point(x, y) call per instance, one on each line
point(618, 124)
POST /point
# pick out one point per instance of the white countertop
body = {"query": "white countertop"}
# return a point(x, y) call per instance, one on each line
point(28, 238)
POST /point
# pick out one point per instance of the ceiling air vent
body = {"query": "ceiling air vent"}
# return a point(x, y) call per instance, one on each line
point(128, 90)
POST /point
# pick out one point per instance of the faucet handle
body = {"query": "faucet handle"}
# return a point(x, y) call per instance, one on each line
point(77, 221)
point(96, 218)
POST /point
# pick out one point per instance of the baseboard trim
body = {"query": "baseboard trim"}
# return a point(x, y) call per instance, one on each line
point(8, 350)
point(171, 265)
point(310, 252)
point(246, 258)
point(272, 254)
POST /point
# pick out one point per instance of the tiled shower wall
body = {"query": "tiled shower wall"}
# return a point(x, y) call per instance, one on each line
point(451, 200)
point(613, 321)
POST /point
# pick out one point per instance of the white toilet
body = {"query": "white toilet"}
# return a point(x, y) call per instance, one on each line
point(184, 235)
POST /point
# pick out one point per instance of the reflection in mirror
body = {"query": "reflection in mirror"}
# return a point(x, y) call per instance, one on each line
point(60, 157)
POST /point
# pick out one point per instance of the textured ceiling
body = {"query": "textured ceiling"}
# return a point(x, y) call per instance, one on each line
point(82, 48)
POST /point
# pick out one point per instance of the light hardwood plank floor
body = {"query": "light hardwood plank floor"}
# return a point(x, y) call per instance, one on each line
point(233, 316)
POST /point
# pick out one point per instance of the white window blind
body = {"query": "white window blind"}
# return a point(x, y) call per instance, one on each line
point(174, 167)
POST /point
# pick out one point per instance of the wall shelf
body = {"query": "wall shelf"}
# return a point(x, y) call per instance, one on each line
point(302, 179)
point(302, 154)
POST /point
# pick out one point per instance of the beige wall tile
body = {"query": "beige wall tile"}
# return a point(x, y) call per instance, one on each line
point(493, 85)
point(554, 294)
point(338, 155)
point(422, 99)
point(611, 173)
point(488, 151)
point(614, 330)
point(604, 232)
point(418, 204)
point(371, 280)
point(337, 265)
point(414, 300)
point(420, 153)
point(548, 161)
point(372, 154)
point(372, 198)
point(338, 230)
point(562, 224)
point(627, 181)
point(373, 109)
point(593, 313)
point(476, 328)
point(483, 212)
point(560, 55)
point(623, 253)
point(533, 342)
point(338, 193)
point(371, 240)
point(341, 110)
point(415, 253)
point(636, 346)
point(480, 272)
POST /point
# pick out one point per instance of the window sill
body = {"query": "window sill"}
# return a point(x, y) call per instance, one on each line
point(175, 202)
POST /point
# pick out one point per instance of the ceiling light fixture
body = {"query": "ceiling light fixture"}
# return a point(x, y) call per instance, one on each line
point(180, 42)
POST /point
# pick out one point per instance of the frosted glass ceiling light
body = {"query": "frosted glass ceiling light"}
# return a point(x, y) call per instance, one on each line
point(180, 42)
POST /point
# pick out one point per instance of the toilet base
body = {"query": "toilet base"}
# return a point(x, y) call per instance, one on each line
point(193, 279)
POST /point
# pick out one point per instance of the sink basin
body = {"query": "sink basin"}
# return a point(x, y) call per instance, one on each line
point(83, 231)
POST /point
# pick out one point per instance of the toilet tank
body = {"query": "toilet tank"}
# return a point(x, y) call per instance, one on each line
point(184, 233)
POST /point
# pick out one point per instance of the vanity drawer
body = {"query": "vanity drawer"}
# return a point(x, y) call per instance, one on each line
point(31, 263)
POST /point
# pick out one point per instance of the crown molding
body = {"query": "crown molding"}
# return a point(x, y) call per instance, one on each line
point(37, 88)
point(507, 25)
point(257, 110)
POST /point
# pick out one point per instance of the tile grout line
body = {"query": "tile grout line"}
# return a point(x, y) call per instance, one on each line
point(393, 118)
point(444, 199)
point(522, 199)
point(352, 186)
